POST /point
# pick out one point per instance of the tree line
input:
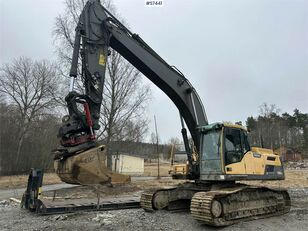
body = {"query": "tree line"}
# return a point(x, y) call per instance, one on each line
point(29, 92)
point(35, 149)
point(272, 129)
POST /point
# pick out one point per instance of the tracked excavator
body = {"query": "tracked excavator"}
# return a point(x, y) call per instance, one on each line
point(220, 156)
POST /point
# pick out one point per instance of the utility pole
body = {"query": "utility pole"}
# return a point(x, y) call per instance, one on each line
point(158, 174)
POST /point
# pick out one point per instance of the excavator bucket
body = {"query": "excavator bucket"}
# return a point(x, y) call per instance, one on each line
point(88, 168)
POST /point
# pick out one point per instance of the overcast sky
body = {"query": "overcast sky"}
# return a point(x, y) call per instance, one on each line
point(237, 54)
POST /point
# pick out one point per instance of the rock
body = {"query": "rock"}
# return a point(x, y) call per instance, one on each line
point(103, 218)
point(4, 203)
point(59, 218)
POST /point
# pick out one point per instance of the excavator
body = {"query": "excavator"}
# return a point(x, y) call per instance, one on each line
point(219, 157)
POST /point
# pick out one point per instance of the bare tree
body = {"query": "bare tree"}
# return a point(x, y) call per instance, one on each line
point(31, 87)
point(124, 93)
point(175, 141)
point(267, 110)
point(174, 144)
point(131, 131)
point(268, 124)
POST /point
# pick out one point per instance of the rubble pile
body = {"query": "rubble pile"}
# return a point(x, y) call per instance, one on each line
point(296, 164)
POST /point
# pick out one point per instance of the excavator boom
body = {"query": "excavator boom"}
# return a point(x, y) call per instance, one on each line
point(96, 32)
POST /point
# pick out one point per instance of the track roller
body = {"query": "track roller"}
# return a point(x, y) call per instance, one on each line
point(226, 207)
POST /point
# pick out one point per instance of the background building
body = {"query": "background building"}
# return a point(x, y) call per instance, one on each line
point(128, 165)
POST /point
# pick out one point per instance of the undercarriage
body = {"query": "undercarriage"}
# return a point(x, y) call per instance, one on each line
point(219, 204)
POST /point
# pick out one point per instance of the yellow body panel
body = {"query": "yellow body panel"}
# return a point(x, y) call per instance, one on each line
point(179, 169)
point(262, 150)
point(236, 168)
point(229, 125)
point(254, 162)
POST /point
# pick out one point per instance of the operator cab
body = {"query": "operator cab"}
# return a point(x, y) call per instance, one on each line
point(236, 144)
point(227, 155)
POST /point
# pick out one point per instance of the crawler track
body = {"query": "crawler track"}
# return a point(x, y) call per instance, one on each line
point(228, 206)
point(219, 205)
point(172, 199)
point(146, 200)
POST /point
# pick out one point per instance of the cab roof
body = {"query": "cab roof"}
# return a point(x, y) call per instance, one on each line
point(218, 125)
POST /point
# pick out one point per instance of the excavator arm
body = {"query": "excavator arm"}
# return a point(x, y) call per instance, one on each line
point(91, 44)
point(98, 30)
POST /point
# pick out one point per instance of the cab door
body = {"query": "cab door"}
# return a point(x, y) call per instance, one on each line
point(236, 149)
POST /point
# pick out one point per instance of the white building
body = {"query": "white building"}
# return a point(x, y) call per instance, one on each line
point(128, 165)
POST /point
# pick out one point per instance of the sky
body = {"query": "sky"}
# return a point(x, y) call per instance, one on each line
point(237, 54)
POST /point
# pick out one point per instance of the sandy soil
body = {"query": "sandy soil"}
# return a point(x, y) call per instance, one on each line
point(151, 169)
point(20, 181)
point(293, 179)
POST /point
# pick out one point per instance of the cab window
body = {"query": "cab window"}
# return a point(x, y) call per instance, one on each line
point(236, 145)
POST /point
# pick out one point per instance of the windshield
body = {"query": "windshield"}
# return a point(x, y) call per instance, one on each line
point(210, 160)
point(211, 145)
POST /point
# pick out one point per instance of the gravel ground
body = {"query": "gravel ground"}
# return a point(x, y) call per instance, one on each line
point(14, 218)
